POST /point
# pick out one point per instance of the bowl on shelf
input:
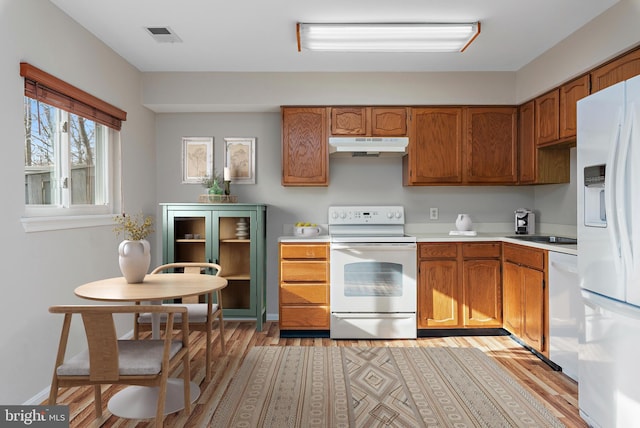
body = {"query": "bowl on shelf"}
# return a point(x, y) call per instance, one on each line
point(307, 231)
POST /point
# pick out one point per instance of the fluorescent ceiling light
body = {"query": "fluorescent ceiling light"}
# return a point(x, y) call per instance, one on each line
point(412, 37)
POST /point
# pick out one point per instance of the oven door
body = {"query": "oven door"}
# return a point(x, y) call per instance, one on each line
point(373, 277)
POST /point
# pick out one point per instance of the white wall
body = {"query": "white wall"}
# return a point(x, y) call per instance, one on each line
point(260, 92)
point(41, 269)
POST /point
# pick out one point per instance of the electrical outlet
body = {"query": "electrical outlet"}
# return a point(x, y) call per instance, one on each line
point(433, 213)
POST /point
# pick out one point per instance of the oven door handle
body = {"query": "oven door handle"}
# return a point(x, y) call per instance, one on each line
point(375, 247)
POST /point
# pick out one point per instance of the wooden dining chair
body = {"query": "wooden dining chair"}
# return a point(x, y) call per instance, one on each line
point(111, 361)
point(202, 310)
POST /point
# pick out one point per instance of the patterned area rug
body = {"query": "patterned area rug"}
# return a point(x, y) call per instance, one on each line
point(376, 387)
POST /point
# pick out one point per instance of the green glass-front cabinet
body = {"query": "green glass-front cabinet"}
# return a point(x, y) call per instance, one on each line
point(232, 235)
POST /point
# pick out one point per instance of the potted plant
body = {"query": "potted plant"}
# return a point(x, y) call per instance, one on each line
point(134, 252)
point(212, 184)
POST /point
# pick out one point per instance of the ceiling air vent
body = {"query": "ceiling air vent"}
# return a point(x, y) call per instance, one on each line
point(163, 35)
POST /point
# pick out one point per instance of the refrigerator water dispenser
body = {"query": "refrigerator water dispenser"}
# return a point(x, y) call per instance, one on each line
point(594, 211)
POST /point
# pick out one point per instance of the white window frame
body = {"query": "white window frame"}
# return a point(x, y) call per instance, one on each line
point(65, 215)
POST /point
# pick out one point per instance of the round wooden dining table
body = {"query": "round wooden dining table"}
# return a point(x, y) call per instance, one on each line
point(153, 287)
point(139, 402)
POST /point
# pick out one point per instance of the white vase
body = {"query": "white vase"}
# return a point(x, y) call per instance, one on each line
point(463, 222)
point(134, 259)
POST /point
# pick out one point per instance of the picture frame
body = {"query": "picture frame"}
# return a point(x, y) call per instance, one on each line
point(197, 159)
point(240, 159)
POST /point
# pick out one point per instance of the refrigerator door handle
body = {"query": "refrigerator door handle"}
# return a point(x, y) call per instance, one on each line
point(610, 187)
point(622, 196)
point(633, 209)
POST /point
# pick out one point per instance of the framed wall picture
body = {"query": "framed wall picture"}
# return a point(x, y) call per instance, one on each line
point(197, 159)
point(240, 159)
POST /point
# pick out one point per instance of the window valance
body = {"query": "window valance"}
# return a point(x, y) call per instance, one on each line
point(44, 87)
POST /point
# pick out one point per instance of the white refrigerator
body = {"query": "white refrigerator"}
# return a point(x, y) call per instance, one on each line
point(608, 186)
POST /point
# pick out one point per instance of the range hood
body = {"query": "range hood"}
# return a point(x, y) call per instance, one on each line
point(368, 146)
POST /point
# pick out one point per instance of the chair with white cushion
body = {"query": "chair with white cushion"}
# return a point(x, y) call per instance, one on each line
point(111, 361)
point(203, 310)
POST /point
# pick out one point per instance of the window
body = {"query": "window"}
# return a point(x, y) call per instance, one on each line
point(67, 162)
point(71, 141)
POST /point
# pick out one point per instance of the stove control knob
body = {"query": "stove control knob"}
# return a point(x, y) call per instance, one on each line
point(389, 214)
point(398, 214)
point(334, 214)
point(343, 214)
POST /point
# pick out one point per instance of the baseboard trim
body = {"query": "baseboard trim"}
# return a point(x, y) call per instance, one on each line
point(304, 334)
point(446, 332)
point(542, 357)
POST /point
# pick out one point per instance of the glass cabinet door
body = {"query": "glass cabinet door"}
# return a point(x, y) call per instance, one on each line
point(190, 236)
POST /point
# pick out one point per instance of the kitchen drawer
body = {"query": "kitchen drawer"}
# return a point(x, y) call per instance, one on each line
point(300, 294)
point(304, 251)
point(303, 317)
point(304, 271)
point(438, 250)
point(485, 250)
point(526, 256)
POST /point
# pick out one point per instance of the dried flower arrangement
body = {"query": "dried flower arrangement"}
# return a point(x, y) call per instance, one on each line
point(134, 228)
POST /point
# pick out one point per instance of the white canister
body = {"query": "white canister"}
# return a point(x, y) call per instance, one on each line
point(463, 222)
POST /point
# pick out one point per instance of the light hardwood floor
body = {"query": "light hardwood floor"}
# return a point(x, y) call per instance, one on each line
point(556, 390)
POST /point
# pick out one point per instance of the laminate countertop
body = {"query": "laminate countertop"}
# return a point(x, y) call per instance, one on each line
point(445, 237)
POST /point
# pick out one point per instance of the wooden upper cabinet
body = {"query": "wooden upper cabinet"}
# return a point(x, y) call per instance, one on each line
point(305, 152)
point(435, 146)
point(349, 121)
point(570, 93)
point(490, 145)
point(618, 70)
point(547, 117)
point(388, 121)
point(369, 121)
point(526, 137)
point(539, 165)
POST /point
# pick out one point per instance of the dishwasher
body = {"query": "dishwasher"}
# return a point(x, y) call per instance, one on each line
point(566, 312)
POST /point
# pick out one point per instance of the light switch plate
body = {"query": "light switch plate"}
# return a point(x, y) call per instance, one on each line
point(433, 213)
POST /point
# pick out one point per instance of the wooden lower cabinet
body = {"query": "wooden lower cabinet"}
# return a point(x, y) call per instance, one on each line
point(512, 297)
point(304, 286)
point(439, 294)
point(482, 295)
point(459, 285)
point(525, 297)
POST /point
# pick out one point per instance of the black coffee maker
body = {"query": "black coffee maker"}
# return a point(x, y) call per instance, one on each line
point(525, 221)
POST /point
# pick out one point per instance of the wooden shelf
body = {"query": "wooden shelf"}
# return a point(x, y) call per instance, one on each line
point(237, 277)
point(190, 241)
point(237, 241)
